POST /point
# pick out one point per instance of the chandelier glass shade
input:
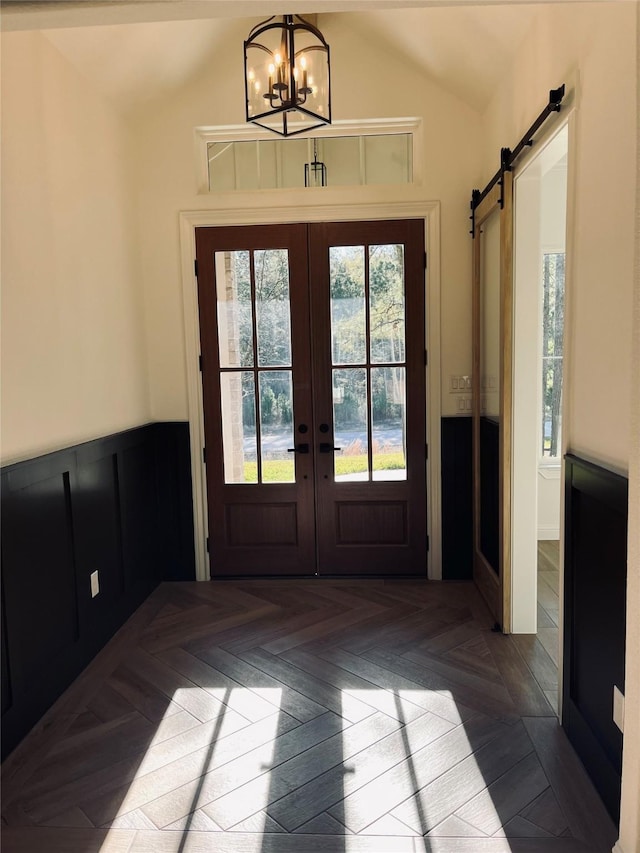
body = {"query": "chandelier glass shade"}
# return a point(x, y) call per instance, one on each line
point(287, 76)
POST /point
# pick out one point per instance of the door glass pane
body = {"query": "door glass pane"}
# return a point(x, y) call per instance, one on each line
point(490, 316)
point(233, 295)
point(276, 426)
point(348, 321)
point(343, 159)
point(351, 462)
point(386, 303)
point(387, 159)
point(222, 171)
point(273, 316)
point(239, 427)
point(271, 163)
point(490, 348)
point(552, 346)
point(388, 422)
point(291, 160)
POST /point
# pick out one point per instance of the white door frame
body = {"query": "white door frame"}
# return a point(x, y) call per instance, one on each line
point(524, 525)
point(264, 213)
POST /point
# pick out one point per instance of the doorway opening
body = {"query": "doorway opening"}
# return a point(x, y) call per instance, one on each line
point(313, 367)
point(540, 209)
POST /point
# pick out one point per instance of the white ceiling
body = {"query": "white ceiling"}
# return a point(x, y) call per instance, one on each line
point(137, 64)
point(137, 51)
point(45, 14)
point(464, 49)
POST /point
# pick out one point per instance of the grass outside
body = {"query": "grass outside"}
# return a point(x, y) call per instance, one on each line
point(282, 470)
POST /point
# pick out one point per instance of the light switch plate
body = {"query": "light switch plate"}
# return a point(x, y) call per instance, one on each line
point(95, 584)
point(459, 384)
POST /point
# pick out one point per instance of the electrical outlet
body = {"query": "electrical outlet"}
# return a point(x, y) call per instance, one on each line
point(618, 708)
point(95, 584)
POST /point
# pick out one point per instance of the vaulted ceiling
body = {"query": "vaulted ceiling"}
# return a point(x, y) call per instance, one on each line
point(136, 51)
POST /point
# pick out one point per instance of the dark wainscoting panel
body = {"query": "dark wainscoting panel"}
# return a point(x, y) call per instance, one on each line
point(175, 501)
point(490, 491)
point(596, 512)
point(120, 505)
point(457, 501)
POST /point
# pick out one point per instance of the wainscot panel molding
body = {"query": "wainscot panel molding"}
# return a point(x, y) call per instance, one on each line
point(120, 505)
point(596, 513)
point(490, 501)
point(457, 502)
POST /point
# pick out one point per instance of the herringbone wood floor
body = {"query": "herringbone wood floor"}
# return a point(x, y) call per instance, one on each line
point(540, 650)
point(304, 716)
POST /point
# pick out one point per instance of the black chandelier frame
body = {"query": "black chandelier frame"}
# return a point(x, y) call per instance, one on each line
point(288, 25)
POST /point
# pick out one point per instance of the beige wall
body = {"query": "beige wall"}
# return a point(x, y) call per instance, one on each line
point(167, 177)
point(630, 811)
point(73, 360)
point(597, 40)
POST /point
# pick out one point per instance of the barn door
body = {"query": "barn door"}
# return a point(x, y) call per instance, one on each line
point(492, 408)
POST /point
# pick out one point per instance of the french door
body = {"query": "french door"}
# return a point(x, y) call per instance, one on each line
point(312, 342)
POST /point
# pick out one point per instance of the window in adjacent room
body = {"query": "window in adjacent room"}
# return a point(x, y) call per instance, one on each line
point(552, 352)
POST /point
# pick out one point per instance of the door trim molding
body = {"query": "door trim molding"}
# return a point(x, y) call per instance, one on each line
point(262, 214)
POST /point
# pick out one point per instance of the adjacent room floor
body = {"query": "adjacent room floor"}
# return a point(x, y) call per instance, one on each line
point(301, 716)
point(540, 650)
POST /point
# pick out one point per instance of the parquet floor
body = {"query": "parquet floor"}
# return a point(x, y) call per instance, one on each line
point(298, 717)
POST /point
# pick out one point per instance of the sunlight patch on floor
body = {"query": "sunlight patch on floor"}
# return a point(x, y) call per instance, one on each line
point(253, 772)
point(213, 788)
point(198, 790)
point(386, 701)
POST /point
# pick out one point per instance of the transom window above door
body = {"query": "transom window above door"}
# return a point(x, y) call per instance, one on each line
point(344, 154)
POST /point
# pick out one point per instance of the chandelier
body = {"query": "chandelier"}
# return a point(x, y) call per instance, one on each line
point(287, 76)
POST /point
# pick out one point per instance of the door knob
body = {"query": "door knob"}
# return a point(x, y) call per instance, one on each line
point(299, 448)
point(326, 447)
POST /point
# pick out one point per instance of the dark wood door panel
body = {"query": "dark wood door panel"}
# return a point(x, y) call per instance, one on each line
point(370, 527)
point(261, 527)
point(371, 522)
point(261, 524)
point(342, 519)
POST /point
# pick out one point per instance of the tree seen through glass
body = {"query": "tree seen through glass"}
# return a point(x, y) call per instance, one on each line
point(352, 388)
point(552, 352)
point(369, 399)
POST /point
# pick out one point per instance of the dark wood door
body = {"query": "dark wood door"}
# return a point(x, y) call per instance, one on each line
point(312, 339)
point(367, 287)
point(254, 333)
